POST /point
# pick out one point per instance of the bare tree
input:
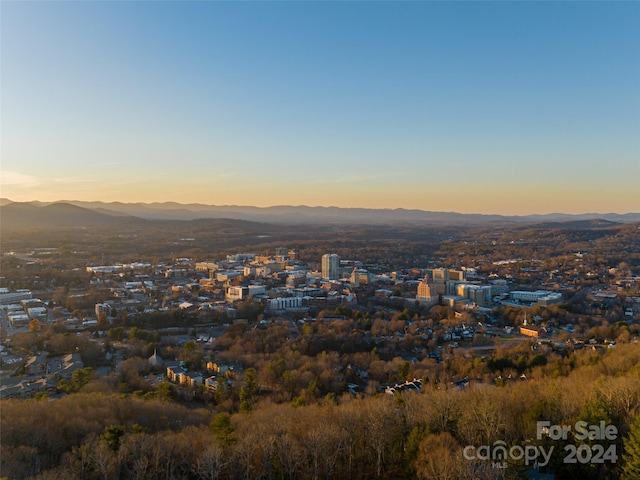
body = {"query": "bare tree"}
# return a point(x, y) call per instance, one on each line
point(210, 463)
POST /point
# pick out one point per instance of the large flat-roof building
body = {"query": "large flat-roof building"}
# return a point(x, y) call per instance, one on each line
point(7, 298)
point(541, 297)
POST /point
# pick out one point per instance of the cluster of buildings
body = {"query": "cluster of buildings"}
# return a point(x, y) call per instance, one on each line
point(41, 375)
point(216, 373)
point(451, 287)
point(454, 288)
point(19, 307)
point(283, 284)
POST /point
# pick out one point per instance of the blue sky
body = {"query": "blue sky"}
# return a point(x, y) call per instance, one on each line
point(487, 107)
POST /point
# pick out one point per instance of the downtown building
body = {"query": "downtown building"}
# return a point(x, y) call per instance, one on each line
point(427, 294)
point(330, 266)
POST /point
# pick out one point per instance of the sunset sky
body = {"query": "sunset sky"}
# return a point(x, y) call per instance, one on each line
point(474, 107)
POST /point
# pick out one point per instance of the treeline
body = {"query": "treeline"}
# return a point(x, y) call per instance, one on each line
point(214, 238)
point(409, 435)
point(546, 249)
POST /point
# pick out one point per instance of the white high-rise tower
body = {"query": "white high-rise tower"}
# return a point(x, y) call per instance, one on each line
point(330, 266)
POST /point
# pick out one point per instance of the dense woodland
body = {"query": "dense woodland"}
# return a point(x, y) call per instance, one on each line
point(99, 434)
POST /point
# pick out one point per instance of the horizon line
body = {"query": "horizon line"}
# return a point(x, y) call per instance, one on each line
point(322, 206)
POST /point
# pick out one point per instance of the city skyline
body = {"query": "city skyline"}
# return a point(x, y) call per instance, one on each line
point(511, 108)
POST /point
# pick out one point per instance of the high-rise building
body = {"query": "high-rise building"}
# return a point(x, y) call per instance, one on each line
point(330, 266)
point(355, 277)
point(442, 278)
point(103, 310)
point(293, 254)
point(427, 294)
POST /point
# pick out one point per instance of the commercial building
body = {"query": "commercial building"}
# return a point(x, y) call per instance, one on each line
point(241, 257)
point(208, 267)
point(427, 294)
point(445, 279)
point(330, 266)
point(541, 297)
point(529, 332)
point(294, 254)
point(236, 293)
point(102, 309)
point(14, 297)
point(284, 303)
point(478, 294)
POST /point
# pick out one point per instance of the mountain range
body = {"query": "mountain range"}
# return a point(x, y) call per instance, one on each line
point(78, 213)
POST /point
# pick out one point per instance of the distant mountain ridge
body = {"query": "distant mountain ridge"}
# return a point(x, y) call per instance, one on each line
point(62, 214)
point(77, 213)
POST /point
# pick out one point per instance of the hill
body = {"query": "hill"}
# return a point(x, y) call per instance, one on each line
point(20, 215)
point(288, 214)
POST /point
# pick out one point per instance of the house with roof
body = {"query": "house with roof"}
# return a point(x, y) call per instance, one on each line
point(69, 364)
point(415, 385)
point(36, 365)
point(25, 388)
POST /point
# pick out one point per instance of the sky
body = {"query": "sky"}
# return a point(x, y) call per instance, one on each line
point(475, 107)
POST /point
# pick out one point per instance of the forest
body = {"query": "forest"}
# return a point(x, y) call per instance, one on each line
point(96, 433)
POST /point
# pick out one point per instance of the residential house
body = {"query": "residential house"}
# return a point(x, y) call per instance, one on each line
point(69, 364)
point(24, 388)
point(36, 365)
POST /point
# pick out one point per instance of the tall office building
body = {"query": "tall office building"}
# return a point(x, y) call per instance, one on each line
point(445, 280)
point(427, 294)
point(355, 277)
point(281, 254)
point(330, 266)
